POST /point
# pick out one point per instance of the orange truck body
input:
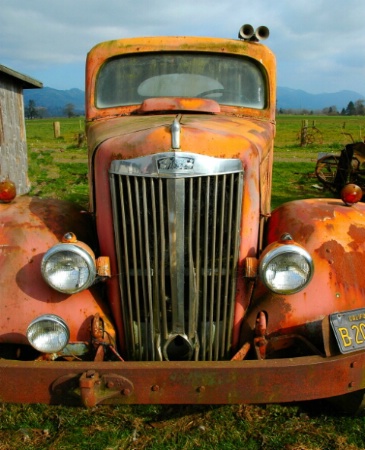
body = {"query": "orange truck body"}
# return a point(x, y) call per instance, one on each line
point(202, 294)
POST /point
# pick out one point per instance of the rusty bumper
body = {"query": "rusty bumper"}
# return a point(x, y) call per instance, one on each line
point(267, 381)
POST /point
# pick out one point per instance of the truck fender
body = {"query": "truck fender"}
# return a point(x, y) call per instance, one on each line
point(334, 235)
point(29, 226)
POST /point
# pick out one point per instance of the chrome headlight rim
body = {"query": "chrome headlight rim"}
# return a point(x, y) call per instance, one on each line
point(39, 328)
point(77, 250)
point(283, 250)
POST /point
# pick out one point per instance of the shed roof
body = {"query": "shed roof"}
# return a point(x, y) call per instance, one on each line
point(25, 81)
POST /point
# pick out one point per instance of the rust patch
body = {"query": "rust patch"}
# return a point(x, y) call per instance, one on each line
point(276, 308)
point(347, 267)
point(358, 236)
point(322, 211)
point(305, 232)
point(330, 249)
point(279, 314)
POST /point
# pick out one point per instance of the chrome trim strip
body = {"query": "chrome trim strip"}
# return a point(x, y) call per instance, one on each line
point(175, 165)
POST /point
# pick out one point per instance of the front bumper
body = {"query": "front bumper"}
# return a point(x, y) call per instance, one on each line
point(229, 382)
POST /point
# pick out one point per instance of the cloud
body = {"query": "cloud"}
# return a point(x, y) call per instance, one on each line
point(319, 44)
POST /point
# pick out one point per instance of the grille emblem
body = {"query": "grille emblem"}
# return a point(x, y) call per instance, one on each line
point(176, 164)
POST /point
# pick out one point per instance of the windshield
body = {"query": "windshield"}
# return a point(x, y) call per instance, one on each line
point(230, 80)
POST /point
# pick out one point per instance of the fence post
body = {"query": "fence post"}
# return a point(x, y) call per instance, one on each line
point(56, 129)
point(303, 133)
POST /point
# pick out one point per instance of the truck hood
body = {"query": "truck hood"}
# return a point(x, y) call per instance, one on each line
point(213, 135)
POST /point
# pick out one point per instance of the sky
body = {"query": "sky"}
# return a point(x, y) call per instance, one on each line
point(319, 44)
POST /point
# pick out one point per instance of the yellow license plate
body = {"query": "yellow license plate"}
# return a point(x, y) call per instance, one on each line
point(349, 329)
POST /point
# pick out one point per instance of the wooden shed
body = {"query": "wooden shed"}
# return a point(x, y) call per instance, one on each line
point(13, 143)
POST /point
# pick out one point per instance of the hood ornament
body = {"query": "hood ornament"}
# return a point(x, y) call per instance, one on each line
point(175, 134)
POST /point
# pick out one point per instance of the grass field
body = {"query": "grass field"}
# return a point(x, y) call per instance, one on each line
point(58, 168)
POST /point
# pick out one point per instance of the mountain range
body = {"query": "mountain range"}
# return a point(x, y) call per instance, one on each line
point(297, 99)
point(54, 101)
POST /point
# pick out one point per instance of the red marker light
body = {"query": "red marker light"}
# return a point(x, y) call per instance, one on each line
point(7, 191)
point(351, 193)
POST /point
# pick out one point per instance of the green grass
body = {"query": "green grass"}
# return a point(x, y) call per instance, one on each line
point(58, 168)
point(250, 427)
point(333, 130)
point(40, 132)
point(57, 179)
point(293, 180)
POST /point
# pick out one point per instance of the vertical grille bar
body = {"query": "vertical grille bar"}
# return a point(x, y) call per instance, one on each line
point(213, 245)
point(236, 206)
point(120, 242)
point(177, 246)
point(229, 224)
point(176, 219)
point(146, 271)
point(162, 259)
point(222, 214)
point(196, 209)
point(139, 261)
point(132, 254)
point(205, 268)
point(155, 271)
point(193, 297)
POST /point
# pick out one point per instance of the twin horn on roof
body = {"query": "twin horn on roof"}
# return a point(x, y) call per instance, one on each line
point(248, 33)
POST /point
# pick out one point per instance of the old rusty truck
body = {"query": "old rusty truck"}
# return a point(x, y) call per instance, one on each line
point(180, 285)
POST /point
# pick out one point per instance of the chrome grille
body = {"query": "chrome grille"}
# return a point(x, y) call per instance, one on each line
point(177, 234)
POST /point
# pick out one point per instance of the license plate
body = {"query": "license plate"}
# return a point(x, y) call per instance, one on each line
point(349, 329)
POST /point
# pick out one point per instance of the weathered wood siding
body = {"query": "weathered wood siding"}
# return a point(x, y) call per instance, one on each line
point(13, 145)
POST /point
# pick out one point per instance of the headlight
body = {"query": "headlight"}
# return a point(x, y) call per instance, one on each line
point(69, 268)
point(48, 334)
point(286, 269)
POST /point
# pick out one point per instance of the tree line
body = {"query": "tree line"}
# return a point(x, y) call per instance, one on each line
point(356, 108)
point(32, 111)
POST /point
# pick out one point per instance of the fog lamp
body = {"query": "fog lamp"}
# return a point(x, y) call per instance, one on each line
point(286, 268)
point(48, 333)
point(69, 268)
